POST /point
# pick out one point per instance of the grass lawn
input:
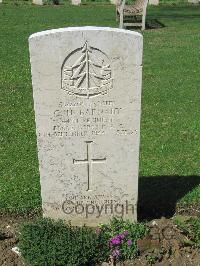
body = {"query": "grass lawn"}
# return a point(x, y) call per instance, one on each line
point(170, 132)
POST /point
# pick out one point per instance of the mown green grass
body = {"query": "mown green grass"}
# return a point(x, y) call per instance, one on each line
point(170, 102)
point(170, 124)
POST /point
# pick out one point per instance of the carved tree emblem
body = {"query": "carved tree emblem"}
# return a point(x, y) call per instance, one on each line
point(86, 72)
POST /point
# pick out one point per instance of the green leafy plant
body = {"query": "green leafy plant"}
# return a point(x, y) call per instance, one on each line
point(120, 238)
point(181, 222)
point(151, 259)
point(190, 226)
point(196, 230)
point(45, 242)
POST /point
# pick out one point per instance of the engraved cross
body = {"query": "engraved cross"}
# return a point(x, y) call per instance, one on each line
point(89, 162)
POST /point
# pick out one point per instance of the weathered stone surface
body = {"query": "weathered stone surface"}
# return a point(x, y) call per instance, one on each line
point(87, 92)
point(38, 2)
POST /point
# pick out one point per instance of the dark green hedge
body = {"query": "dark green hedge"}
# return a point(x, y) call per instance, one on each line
point(48, 243)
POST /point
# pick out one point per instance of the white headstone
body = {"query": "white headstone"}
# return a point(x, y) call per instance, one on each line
point(154, 2)
point(76, 2)
point(194, 1)
point(1, 1)
point(38, 2)
point(87, 92)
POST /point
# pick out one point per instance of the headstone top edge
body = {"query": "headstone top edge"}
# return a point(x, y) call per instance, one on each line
point(85, 28)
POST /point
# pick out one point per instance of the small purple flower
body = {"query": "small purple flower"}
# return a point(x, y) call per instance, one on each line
point(115, 253)
point(121, 236)
point(129, 242)
point(115, 240)
point(126, 233)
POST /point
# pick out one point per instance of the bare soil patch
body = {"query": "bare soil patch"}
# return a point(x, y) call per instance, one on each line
point(165, 245)
point(9, 226)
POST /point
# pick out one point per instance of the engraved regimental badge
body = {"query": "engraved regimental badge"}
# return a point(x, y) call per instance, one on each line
point(86, 72)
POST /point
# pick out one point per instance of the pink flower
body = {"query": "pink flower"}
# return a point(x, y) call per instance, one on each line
point(121, 236)
point(115, 253)
point(115, 241)
point(129, 242)
point(126, 233)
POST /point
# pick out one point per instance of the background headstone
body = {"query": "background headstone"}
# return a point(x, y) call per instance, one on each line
point(38, 2)
point(1, 1)
point(154, 2)
point(76, 2)
point(87, 93)
point(194, 1)
point(114, 2)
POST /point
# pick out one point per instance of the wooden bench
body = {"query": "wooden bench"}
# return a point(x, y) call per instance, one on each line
point(131, 15)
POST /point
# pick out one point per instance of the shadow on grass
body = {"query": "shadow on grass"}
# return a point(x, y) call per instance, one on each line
point(154, 24)
point(150, 24)
point(158, 195)
point(174, 16)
